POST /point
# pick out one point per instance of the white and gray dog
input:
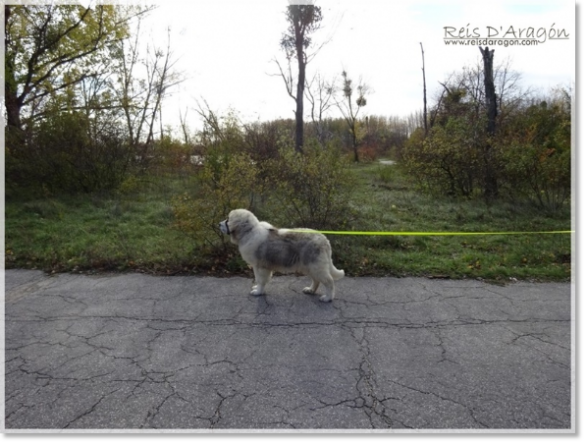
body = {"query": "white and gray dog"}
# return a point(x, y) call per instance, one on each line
point(267, 249)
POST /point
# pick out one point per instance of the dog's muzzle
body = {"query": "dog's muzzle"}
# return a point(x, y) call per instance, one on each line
point(224, 227)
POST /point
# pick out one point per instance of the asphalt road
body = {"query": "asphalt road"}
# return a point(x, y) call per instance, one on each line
point(198, 353)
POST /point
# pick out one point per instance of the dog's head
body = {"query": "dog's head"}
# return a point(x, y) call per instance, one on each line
point(239, 223)
point(224, 227)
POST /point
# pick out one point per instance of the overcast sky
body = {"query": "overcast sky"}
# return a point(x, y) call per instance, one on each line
point(226, 49)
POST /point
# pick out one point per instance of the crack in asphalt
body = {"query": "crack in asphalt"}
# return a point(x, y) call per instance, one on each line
point(444, 351)
point(368, 400)
point(358, 322)
point(90, 410)
point(445, 398)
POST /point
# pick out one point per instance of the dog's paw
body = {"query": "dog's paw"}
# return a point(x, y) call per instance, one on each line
point(256, 292)
point(325, 298)
point(308, 290)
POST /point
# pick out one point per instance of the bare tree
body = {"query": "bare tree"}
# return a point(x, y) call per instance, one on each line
point(212, 132)
point(141, 93)
point(509, 95)
point(303, 20)
point(160, 78)
point(320, 94)
point(127, 93)
point(350, 108)
point(224, 131)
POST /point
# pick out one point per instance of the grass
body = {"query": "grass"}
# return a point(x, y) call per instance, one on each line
point(387, 201)
point(133, 230)
point(115, 232)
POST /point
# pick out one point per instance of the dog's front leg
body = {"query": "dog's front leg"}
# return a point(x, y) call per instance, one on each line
point(261, 277)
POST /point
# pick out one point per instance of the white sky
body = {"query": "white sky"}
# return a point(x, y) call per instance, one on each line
point(226, 49)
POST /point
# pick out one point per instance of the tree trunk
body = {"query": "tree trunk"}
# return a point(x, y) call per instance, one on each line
point(489, 90)
point(11, 100)
point(490, 180)
point(424, 92)
point(15, 138)
point(300, 90)
point(354, 141)
point(12, 106)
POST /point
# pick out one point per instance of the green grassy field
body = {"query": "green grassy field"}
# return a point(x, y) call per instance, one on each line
point(387, 201)
point(134, 230)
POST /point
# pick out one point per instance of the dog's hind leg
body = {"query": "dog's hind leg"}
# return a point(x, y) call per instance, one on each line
point(313, 288)
point(261, 278)
point(330, 290)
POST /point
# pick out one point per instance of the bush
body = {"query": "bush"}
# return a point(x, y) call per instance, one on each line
point(171, 154)
point(529, 157)
point(367, 153)
point(536, 154)
point(226, 182)
point(447, 161)
point(311, 188)
point(262, 140)
point(65, 154)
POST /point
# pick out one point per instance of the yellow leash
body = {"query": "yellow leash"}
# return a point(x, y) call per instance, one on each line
point(431, 233)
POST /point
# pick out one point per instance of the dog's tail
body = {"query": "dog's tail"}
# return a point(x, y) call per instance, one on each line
point(336, 274)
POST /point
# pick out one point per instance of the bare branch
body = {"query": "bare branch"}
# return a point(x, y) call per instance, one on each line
point(287, 78)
